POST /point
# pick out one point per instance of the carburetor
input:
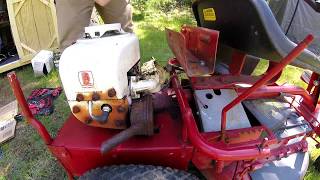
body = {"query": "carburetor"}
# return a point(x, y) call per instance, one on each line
point(100, 72)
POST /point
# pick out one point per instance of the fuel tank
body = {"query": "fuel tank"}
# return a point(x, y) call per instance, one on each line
point(94, 71)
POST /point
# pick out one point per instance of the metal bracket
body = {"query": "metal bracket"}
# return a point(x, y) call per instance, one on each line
point(106, 109)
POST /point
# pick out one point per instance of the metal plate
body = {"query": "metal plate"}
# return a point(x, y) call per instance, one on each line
point(210, 105)
point(195, 49)
point(277, 115)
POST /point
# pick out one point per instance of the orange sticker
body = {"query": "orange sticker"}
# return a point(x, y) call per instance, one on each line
point(86, 78)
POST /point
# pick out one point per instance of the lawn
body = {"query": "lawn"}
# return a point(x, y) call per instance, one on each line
point(25, 156)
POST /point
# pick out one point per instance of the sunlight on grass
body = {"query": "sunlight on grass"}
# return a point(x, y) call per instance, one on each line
point(290, 75)
point(151, 33)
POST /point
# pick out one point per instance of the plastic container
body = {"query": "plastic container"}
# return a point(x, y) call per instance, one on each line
point(42, 63)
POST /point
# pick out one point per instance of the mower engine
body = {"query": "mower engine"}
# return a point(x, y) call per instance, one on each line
point(101, 75)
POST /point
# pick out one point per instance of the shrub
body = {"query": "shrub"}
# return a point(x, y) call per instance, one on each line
point(162, 5)
point(139, 5)
point(159, 5)
point(184, 3)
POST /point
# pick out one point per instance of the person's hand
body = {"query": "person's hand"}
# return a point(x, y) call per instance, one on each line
point(102, 2)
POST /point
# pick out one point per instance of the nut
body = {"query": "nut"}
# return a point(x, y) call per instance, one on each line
point(95, 96)
point(76, 109)
point(112, 92)
point(80, 97)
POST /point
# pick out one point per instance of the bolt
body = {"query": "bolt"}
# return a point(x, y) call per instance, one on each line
point(87, 36)
point(112, 92)
point(76, 109)
point(121, 109)
point(95, 96)
point(80, 97)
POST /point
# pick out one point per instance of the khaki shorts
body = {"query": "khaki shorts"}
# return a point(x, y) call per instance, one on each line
point(74, 15)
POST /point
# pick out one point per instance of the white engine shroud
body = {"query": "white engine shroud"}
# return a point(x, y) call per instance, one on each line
point(104, 61)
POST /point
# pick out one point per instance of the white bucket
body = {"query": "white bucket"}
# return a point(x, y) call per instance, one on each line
point(42, 63)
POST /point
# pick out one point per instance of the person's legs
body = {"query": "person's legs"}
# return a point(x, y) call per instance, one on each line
point(117, 11)
point(72, 16)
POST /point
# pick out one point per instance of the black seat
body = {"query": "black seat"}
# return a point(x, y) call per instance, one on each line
point(249, 25)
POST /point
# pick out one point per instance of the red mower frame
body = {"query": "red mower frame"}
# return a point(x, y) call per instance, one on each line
point(179, 141)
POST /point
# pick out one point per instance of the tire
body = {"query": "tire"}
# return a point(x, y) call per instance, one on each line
point(136, 172)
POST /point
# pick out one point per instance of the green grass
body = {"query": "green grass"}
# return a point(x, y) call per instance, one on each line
point(290, 75)
point(312, 174)
point(151, 33)
point(26, 157)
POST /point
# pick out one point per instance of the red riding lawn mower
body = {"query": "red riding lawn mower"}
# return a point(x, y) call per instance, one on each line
point(208, 117)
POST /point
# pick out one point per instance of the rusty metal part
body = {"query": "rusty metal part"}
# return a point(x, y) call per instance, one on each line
point(161, 101)
point(80, 97)
point(238, 136)
point(121, 109)
point(95, 96)
point(103, 118)
point(83, 115)
point(112, 92)
point(75, 109)
point(250, 134)
point(195, 49)
point(141, 118)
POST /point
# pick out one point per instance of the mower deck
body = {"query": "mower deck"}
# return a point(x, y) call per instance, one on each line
point(278, 115)
point(77, 146)
point(293, 167)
